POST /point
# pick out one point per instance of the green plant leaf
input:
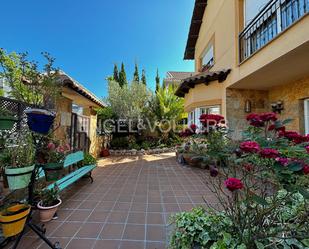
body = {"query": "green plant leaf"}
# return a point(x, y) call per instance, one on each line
point(259, 245)
point(295, 167)
point(259, 200)
point(304, 193)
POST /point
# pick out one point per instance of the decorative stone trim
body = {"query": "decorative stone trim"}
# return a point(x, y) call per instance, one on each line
point(140, 152)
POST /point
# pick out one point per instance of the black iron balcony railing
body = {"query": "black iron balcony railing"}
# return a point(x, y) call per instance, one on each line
point(273, 19)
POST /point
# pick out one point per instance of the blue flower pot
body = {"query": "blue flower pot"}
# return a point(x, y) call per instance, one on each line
point(40, 121)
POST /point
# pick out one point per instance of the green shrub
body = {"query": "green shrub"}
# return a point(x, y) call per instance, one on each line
point(89, 159)
point(119, 142)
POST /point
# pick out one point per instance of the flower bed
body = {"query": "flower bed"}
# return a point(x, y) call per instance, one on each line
point(140, 152)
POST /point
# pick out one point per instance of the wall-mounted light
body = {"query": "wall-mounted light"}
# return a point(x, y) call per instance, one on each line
point(277, 107)
point(248, 105)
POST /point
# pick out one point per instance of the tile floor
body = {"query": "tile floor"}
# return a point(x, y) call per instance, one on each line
point(127, 207)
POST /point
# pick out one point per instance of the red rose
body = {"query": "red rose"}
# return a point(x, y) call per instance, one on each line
point(269, 153)
point(250, 147)
point(193, 127)
point(211, 119)
point(306, 169)
point(255, 120)
point(293, 136)
point(233, 184)
point(268, 116)
point(283, 161)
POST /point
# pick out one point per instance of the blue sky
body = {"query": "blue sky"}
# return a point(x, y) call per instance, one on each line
point(87, 37)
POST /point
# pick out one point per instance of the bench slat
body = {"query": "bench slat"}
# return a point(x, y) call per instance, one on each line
point(73, 158)
point(72, 177)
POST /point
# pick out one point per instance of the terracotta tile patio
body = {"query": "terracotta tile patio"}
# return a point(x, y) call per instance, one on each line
point(127, 206)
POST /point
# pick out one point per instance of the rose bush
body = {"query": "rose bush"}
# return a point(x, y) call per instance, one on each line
point(262, 188)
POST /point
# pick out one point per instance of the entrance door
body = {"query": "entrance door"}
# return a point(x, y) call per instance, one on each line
point(307, 116)
point(80, 126)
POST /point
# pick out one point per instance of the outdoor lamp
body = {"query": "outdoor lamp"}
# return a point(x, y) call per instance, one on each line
point(277, 107)
point(248, 106)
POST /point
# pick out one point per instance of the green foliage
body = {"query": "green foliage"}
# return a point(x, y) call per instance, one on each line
point(89, 159)
point(116, 73)
point(136, 74)
point(49, 197)
point(19, 155)
point(171, 107)
point(27, 82)
point(105, 113)
point(122, 76)
point(6, 113)
point(143, 78)
point(157, 81)
point(129, 101)
point(1, 93)
point(119, 142)
point(201, 229)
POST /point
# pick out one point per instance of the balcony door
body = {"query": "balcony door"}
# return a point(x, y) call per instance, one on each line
point(307, 116)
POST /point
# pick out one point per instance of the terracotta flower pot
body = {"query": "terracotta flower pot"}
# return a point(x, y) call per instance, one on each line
point(105, 153)
point(47, 213)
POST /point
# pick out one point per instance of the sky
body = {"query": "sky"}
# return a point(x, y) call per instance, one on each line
point(88, 37)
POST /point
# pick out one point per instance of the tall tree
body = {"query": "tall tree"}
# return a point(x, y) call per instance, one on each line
point(136, 74)
point(116, 73)
point(122, 76)
point(143, 79)
point(157, 81)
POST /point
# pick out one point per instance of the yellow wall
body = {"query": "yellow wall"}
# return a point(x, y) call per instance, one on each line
point(64, 110)
point(202, 95)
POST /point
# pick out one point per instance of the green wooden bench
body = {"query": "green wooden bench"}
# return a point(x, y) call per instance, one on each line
point(73, 176)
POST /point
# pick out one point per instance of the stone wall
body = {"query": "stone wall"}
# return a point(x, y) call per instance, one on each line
point(292, 95)
point(63, 119)
point(235, 107)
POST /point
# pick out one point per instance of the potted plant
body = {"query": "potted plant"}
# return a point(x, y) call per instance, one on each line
point(18, 161)
point(49, 203)
point(40, 120)
point(7, 120)
point(54, 155)
point(13, 219)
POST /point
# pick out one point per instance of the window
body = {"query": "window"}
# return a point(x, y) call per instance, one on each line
point(307, 116)
point(191, 118)
point(252, 8)
point(208, 58)
point(210, 110)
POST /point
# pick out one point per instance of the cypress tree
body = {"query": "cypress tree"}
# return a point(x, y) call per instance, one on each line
point(116, 73)
point(122, 76)
point(143, 79)
point(157, 81)
point(136, 74)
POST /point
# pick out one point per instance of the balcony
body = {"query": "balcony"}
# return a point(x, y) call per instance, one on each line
point(274, 18)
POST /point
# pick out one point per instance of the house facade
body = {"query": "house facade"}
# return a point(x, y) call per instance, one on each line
point(250, 56)
point(77, 120)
